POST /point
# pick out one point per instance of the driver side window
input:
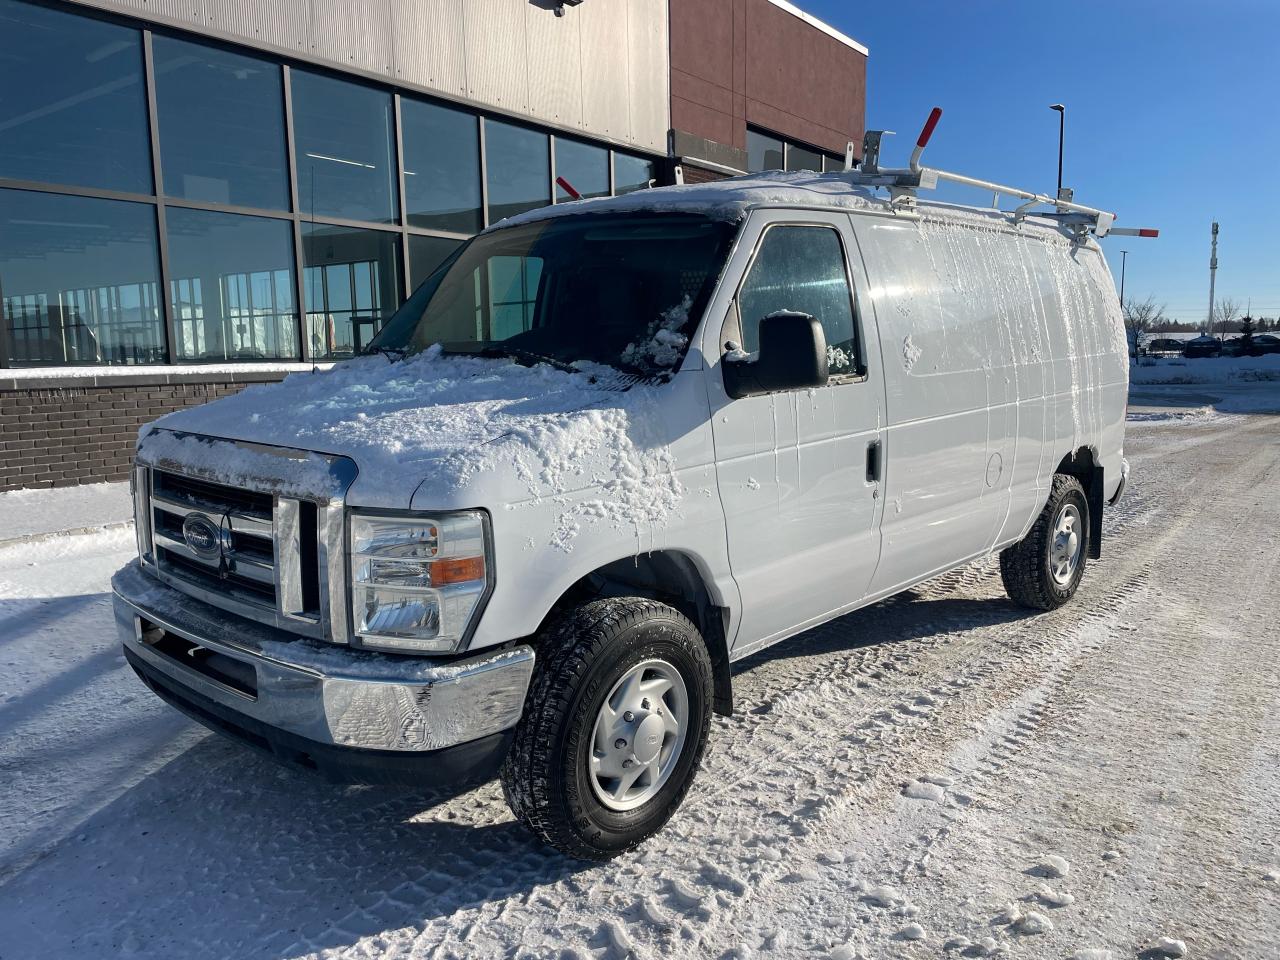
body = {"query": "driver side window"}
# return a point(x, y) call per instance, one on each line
point(802, 269)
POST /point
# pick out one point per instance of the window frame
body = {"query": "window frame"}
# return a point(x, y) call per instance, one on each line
point(146, 77)
point(167, 176)
point(733, 321)
point(828, 162)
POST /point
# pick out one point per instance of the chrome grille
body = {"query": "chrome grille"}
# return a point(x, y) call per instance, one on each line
point(264, 562)
point(273, 546)
point(245, 564)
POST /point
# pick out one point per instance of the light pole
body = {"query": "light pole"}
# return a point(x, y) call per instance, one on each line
point(1062, 129)
point(1124, 258)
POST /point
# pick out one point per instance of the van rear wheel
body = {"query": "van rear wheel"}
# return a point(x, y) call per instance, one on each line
point(614, 727)
point(1043, 570)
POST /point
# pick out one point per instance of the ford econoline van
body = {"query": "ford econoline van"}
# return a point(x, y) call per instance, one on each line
point(607, 449)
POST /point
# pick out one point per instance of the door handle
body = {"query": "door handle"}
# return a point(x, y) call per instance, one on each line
point(873, 461)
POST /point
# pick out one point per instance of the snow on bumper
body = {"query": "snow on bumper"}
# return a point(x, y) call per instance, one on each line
point(322, 694)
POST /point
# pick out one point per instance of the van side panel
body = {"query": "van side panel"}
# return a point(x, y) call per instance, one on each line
point(1004, 353)
point(1028, 320)
point(933, 325)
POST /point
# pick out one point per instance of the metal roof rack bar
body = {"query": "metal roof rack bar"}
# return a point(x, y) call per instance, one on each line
point(902, 185)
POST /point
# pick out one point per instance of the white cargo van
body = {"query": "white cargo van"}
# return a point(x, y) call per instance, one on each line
point(604, 451)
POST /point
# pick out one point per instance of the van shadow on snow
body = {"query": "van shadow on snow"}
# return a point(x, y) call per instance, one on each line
point(222, 852)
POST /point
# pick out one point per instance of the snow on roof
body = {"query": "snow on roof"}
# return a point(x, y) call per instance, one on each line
point(731, 199)
point(721, 200)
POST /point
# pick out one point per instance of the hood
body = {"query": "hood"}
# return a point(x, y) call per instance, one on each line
point(442, 421)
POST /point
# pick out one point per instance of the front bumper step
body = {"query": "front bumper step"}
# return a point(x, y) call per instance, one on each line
point(445, 770)
point(299, 698)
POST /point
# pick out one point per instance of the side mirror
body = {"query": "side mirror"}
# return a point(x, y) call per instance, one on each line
point(793, 355)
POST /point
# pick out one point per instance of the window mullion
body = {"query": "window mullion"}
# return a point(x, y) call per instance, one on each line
point(157, 187)
point(299, 262)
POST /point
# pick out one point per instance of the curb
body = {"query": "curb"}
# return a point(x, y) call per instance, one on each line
point(58, 534)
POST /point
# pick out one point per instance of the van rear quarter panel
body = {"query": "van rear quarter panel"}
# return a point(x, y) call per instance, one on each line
point(1089, 357)
point(1003, 352)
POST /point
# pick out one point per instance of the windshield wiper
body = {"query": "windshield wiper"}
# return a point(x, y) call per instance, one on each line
point(510, 350)
point(395, 353)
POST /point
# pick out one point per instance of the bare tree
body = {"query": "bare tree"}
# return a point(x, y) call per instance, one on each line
point(1225, 313)
point(1139, 317)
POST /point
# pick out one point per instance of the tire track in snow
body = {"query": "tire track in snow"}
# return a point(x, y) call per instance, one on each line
point(895, 747)
point(1105, 609)
point(1014, 730)
point(774, 731)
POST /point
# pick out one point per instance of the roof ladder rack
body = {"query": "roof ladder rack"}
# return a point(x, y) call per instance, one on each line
point(903, 184)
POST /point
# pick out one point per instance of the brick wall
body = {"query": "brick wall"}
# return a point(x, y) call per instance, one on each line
point(695, 174)
point(59, 431)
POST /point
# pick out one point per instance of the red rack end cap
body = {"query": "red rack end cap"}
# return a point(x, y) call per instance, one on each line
point(934, 116)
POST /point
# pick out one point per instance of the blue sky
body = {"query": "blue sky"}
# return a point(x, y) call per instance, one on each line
point(1173, 119)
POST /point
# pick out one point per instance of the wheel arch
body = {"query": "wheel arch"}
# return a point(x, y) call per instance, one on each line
point(671, 577)
point(1085, 466)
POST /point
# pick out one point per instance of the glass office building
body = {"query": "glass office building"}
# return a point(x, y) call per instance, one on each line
point(167, 198)
point(196, 195)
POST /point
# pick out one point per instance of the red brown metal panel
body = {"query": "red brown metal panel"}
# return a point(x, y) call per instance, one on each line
point(801, 82)
point(735, 62)
point(702, 39)
point(708, 122)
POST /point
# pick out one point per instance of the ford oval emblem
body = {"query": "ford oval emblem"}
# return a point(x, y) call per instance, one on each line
point(201, 535)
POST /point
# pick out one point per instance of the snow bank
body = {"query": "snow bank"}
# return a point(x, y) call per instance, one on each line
point(25, 513)
point(1161, 370)
point(1196, 415)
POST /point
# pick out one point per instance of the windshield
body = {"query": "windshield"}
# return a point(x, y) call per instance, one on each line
point(618, 290)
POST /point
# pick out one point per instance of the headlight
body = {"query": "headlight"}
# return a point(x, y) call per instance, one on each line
point(416, 582)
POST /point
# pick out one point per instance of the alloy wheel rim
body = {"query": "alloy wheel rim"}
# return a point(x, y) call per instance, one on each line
point(639, 735)
point(1067, 544)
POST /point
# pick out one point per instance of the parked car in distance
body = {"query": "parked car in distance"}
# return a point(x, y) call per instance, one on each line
point(1265, 343)
point(1164, 347)
point(1202, 347)
point(532, 541)
point(1233, 347)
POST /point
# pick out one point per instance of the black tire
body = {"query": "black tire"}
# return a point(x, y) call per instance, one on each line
point(1026, 568)
point(546, 775)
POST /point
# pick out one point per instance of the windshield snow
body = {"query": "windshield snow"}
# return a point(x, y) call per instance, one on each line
point(618, 290)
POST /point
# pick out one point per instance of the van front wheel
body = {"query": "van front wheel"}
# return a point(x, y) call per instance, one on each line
point(614, 727)
point(1043, 570)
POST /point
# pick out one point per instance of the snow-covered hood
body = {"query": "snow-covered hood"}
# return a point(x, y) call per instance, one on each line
point(457, 431)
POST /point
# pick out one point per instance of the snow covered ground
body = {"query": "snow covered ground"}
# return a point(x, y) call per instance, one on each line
point(31, 513)
point(1227, 384)
point(938, 775)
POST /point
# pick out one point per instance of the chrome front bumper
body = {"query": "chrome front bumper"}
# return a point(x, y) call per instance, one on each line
point(313, 692)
